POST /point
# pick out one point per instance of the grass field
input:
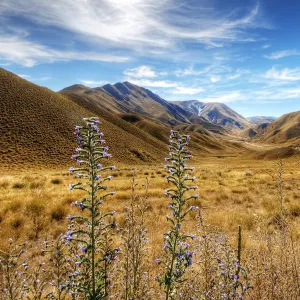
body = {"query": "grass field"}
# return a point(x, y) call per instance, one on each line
point(34, 205)
point(232, 192)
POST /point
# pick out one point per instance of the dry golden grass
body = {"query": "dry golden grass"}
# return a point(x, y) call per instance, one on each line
point(232, 192)
point(283, 129)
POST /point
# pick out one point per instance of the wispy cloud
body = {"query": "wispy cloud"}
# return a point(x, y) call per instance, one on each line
point(190, 71)
point(140, 24)
point(153, 83)
point(284, 74)
point(174, 87)
point(26, 53)
point(93, 82)
point(281, 54)
point(237, 74)
point(141, 72)
point(266, 46)
point(24, 76)
point(180, 90)
point(225, 97)
point(34, 79)
point(215, 78)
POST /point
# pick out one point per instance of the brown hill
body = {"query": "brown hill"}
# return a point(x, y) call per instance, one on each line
point(255, 131)
point(158, 131)
point(277, 153)
point(37, 126)
point(284, 129)
point(203, 142)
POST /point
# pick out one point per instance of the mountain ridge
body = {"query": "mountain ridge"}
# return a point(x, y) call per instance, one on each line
point(216, 113)
point(130, 98)
point(261, 119)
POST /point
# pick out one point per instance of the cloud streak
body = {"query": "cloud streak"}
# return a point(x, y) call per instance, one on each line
point(93, 82)
point(139, 24)
point(26, 53)
point(282, 54)
point(284, 74)
point(141, 72)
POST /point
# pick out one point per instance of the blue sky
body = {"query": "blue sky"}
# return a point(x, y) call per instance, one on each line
point(240, 52)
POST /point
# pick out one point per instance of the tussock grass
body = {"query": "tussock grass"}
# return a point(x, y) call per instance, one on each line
point(238, 200)
point(37, 211)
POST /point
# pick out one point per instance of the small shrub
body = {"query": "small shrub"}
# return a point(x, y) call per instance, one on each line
point(294, 210)
point(249, 173)
point(19, 185)
point(36, 185)
point(139, 154)
point(4, 184)
point(16, 222)
point(58, 213)
point(13, 206)
point(35, 210)
point(56, 181)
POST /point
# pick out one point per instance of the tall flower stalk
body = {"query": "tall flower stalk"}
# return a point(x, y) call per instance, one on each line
point(177, 255)
point(90, 229)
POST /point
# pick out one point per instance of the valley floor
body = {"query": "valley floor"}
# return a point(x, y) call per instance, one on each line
point(232, 192)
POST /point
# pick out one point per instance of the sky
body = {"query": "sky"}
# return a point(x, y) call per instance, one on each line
point(244, 53)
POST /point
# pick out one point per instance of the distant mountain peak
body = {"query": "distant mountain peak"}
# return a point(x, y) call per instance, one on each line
point(216, 113)
point(261, 119)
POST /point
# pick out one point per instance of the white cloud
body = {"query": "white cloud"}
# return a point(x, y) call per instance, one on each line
point(266, 46)
point(187, 90)
point(226, 97)
point(281, 54)
point(285, 74)
point(237, 74)
point(177, 88)
point(139, 24)
point(288, 93)
point(29, 54)
point(140, 72)
point(190, 71)
point(215, 78)
point(93, 82)
point(24, 76)
point(45, 78)
point(153, 83)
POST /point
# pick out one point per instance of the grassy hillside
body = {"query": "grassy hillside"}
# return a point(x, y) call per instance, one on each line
point(37, 126)
point(284, 129)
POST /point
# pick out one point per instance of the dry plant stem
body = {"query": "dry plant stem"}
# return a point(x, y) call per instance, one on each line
point(281, 197)
point(135, 241)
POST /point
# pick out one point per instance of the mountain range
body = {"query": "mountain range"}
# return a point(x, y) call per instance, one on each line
point(37, 123)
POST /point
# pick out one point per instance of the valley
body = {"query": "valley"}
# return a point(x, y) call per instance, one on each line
point(38, 124)
point(237, 169)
